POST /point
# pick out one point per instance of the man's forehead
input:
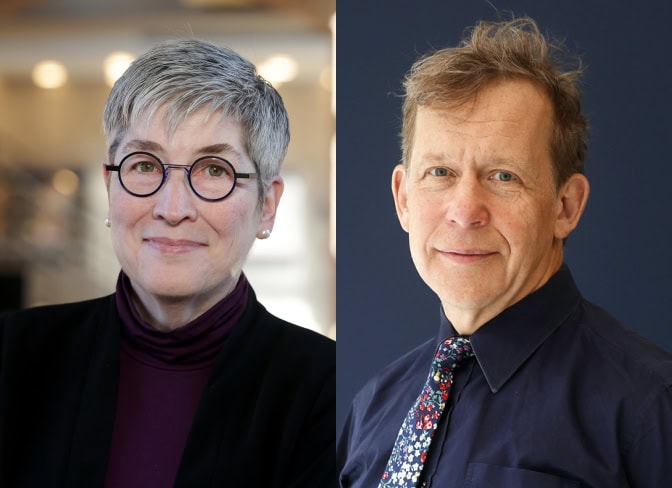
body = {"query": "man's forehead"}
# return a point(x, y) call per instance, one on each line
point(518, 90)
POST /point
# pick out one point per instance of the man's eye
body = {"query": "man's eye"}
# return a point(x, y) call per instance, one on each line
point(504, 176)
point(438, 171)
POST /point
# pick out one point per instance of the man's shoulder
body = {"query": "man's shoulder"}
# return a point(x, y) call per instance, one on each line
point(628, 352)
point(400, 375)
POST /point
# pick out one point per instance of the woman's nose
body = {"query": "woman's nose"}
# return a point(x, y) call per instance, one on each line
point(175, 201)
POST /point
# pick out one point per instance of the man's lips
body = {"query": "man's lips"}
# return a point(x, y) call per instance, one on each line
point(467, 255)
point(168, 245)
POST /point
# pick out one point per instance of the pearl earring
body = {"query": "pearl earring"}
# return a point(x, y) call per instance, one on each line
point(107, 222)
point(264, 234)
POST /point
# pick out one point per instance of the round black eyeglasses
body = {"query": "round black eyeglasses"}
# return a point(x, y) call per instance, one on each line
point(211, 178)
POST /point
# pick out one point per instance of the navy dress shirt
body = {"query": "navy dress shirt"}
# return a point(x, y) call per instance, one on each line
point(558, 395)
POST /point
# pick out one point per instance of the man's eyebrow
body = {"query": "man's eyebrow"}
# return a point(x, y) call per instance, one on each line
point(441, 158)
point(433, 158)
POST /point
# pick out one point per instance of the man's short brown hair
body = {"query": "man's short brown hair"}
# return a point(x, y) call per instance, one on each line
point(495, 51)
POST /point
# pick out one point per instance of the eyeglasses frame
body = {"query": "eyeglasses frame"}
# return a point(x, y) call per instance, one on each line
point(186, 167)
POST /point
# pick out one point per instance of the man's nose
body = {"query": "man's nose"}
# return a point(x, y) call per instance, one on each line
point(467, 203)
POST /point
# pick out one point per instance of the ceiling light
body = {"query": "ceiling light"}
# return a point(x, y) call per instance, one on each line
point(279, 69)
point(49, 74)
point(115, 64)
point(65, 182)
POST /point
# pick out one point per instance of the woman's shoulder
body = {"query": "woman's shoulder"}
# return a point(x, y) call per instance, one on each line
point(57, 316)
point(296, 333)
point(296, 344)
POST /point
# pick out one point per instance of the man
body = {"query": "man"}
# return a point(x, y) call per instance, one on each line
point(529, 384)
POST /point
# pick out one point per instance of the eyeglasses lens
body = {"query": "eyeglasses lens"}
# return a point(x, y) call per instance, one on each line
point(211, 178)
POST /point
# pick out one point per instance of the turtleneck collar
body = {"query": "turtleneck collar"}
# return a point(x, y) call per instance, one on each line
point(195, 344)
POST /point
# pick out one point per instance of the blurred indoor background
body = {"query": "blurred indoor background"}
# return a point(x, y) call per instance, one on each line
point(54, 246)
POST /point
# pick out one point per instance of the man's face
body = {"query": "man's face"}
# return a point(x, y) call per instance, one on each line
point(479, 202)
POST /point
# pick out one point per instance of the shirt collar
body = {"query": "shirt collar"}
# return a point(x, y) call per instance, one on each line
point(504, 343)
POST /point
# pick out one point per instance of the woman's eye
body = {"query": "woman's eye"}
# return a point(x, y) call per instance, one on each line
point(504, 176)
point(145, 167)
point(438, 171)
point(215, 170)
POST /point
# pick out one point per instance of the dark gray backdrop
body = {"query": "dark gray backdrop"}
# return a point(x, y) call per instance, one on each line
point(620, 253)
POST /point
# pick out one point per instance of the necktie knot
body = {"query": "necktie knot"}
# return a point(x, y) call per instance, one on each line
point(452, 352)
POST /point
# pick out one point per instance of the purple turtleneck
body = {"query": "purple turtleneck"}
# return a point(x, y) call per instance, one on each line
point(162, 376)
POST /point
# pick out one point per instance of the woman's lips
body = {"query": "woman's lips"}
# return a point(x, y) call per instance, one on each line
point(172, 246)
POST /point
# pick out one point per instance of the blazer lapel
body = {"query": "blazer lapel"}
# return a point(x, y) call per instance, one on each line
point(95, 420)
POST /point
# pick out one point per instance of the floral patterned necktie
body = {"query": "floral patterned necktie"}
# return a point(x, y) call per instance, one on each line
point(412, 445)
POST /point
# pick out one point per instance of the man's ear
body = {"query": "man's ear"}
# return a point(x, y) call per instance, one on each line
point(270, 206)
point(572, 199)
point(400, 195)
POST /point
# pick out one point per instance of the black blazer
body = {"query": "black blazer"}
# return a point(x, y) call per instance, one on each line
point(266, 417)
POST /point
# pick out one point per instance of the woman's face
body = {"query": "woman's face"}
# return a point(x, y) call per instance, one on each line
point(175, 247)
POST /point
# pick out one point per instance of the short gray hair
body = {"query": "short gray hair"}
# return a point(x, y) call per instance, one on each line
point(187, 75)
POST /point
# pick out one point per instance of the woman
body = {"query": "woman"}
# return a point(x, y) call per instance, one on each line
point(181, 378)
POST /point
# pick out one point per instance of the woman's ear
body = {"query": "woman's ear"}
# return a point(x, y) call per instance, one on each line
point(572, 199)
point(270, 207)
point(106, 175)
